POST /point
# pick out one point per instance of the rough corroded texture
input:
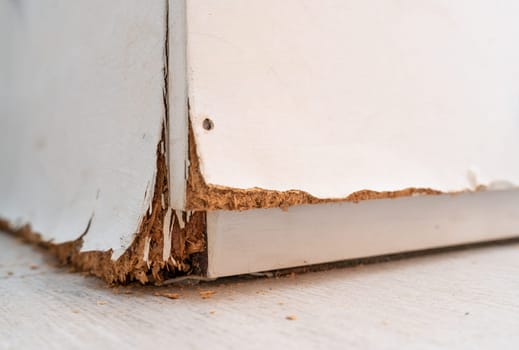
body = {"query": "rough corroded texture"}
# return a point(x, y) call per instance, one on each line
point(203, 196)
point(188, 243)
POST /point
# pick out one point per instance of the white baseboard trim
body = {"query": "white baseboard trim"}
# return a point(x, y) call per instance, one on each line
point(268, 239)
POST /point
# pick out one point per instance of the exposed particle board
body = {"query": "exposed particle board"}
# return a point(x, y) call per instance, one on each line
point(161, 247)
point(146, 129)
point(85, 139)
point(203, 196)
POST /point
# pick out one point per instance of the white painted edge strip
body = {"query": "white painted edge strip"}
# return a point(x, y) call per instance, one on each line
point(167, 231)
point(267, 239)
point(146, 255)
point(177, 103)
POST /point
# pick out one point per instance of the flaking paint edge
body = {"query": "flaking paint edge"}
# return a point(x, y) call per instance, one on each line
point(202, 196)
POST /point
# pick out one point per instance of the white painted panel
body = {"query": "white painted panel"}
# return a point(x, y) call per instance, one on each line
point(83, 114)
point(266, 239)
point(337, 96)
point(178, 104)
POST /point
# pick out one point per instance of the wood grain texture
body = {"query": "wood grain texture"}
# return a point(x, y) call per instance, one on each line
point(460, 300)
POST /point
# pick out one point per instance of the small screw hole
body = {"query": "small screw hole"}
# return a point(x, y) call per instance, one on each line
point(208, 124)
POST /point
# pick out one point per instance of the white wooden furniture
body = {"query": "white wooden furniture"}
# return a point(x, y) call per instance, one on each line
point(377, 126)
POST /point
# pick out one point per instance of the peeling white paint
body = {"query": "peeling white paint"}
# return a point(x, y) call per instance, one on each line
point(181, 222)
point(150, 193)
point(472, 179)
point(146, 253)
point(162, 148)
point(147, 207)
point(166, 230)
point(162, 201)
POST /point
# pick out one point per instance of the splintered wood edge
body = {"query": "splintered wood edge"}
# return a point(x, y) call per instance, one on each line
point(169, 243)
point(207, 197)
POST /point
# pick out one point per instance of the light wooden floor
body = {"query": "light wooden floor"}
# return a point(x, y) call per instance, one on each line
point(464, 300)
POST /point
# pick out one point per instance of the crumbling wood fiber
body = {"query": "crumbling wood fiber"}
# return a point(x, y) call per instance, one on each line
point(203, 196)
point(188, 244)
